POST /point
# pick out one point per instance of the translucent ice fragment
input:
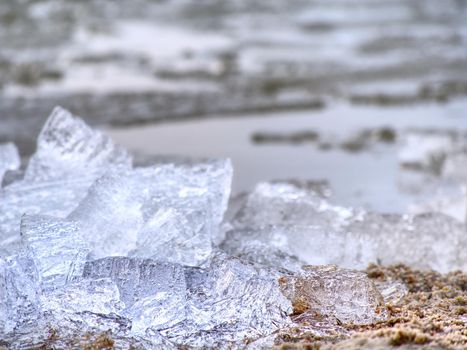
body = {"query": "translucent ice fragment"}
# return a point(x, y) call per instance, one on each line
point(68, 148)
point(285, 203)
point(230, 300)
point(348, 295)
point(165, 212)
point(19, 303)
point(284, 222)
point(56, 247)
point(85, 305)
point(9, 159)
point(426, 241)
point(392, 290)
point(154, 293)
point(110, 215)
point(69, 158)
point(171, 234)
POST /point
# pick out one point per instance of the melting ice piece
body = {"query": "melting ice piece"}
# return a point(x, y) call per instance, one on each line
point(69, 157)
point(56, 247)
point(230, 300)
point(9, 159)
point(68, 148)
point(154, 293)
point(19, 304)
point(327, 290)
point(294, 224)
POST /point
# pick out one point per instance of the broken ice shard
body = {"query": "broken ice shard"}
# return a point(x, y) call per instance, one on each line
point(323, 291)
point(154, 293)
point(165, 212)
point(19, 306)
point(307, 229)
point(84, 305)
point(110, 215)
point(68, 148)
point(230, 300)
point(9, 159)
point(69, 157)
point(56, 247)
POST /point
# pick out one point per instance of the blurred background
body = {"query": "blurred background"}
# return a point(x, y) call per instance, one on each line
point(367, 96)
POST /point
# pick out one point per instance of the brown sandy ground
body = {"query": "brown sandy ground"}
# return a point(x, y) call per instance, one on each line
point(432, 316)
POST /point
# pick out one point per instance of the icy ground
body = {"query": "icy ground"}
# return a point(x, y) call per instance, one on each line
point(156, 257)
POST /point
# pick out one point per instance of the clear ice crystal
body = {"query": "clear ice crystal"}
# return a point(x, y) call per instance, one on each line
point(19, 295)
point(163, 212)
point(348, 295)
point(90, 244)
point(307, 229)
point(9, 159)
point(68, 148)
point(56, 247)
point(154, 293)
point(230, 300)
point(85, 305)
point(70, 156)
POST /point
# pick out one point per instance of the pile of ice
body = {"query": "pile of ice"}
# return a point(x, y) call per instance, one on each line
point(91, 244)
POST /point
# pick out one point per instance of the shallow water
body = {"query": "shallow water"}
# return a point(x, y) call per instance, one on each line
point(370, 178)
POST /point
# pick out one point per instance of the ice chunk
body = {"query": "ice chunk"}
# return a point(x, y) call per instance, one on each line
point(166, 212)
point(69, 158)
point(56, 247)
point(9, 159)
point(154, 293)
point(284, 225)
point(426, 241)
point(68, 148)
point(19, 304)
point(230, 300)
point(110, 215)
point(173, 235)
point(348, 295)
point(392, 290)
point(293, 224)
point(85, 305)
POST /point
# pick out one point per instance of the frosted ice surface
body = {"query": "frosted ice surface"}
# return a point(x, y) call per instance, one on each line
point(56, 247)
point(154, 293)
point(232, 299)
point(348, 295)
point(68, 148)
point(69, 157)
point(18, 295)
point(289, 222)
point(9, 159)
